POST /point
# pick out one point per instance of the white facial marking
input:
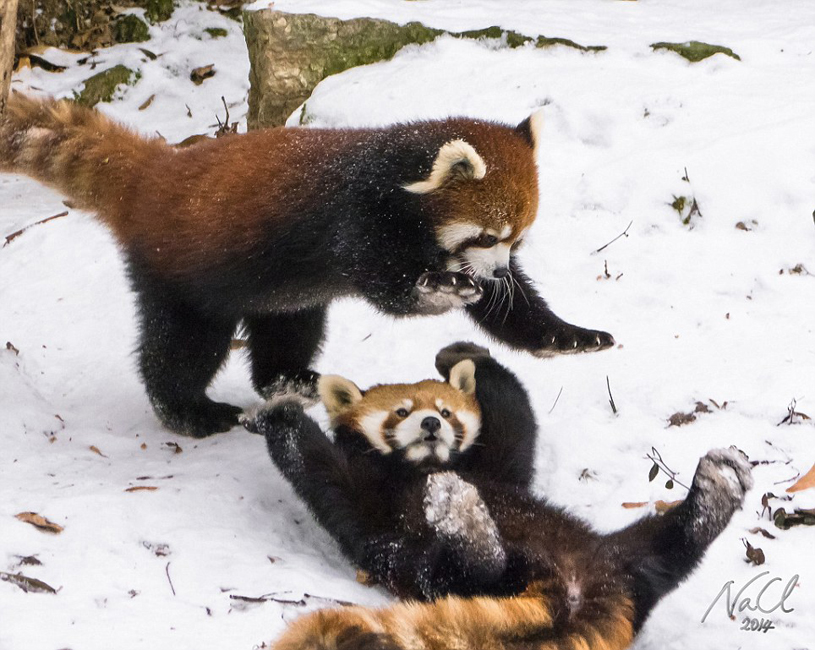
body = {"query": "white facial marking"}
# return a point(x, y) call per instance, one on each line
point(485, 260)
point(506, 231)
point(452, 236)
point(371, 426)
point(472, 427)
point(418, 453)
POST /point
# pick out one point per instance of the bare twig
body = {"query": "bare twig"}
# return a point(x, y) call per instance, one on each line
point(611, 397)
point(14, 235)
point(624, 233)
point(167, 571)
point(556, 399)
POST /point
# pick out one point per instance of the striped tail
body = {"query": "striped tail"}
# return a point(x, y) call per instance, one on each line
point(522, 623)
point(86, 156)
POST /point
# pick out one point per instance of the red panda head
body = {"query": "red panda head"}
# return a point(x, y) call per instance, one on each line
point(425, 423)
point(483, 194)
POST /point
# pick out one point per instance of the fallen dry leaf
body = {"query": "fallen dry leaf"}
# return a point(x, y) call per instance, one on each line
point(634, 504)
point(198, 75)
point(805, 482)
point(40, 522)
point(142, 488)
point(763, 531)
point(147, 103)
point(663, 506)
point(95, 450)
point(27, 584)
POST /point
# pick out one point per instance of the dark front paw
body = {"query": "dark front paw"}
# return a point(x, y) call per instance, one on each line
point(439, 291)
point(450, 355)
point(279, 413)
point(722, 478)
point(571, 340)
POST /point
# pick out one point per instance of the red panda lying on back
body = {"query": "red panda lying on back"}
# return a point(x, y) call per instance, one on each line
point(504, 569)
point(265, 229)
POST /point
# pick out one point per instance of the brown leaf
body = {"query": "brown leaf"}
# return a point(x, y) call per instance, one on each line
point(805, 482)
point(28, 585)
point(95, 450)
point(754, 555)
point(198, 75)
point(634, 504)
point(142, 488)
point(11, 348)
point(147, 103)
point(678, 419)
point(174, 447)
point(764, 532)
point(365, 578)
point(40, 522)
point(664, 506)
point(701, 407)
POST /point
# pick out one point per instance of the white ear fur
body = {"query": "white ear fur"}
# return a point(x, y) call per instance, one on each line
point(535, 129)
point(462, 376)
point(338, 394)
point(458, 158)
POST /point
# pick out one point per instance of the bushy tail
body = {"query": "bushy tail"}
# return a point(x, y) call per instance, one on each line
point(521, 623)
point(86, 156)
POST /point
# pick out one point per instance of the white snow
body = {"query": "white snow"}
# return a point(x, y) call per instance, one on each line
point(704, 313)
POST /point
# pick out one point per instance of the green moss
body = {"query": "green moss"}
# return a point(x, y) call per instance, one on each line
point(131, 29)
point(101, 87)
point(543, 41)
point(157, 11)
point(679, 204)
point(216, 32)
point(695, 51)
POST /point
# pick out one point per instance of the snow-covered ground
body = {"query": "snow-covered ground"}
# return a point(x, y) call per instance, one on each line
point(703, 313)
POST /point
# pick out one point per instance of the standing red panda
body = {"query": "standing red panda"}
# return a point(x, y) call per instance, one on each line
point(265, 229)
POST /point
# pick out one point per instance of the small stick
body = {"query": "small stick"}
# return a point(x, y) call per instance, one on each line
point(14, 235)
point(167, 571)
point(624, 233)
point(611, 397)
point(656, 458)
point(556, 399)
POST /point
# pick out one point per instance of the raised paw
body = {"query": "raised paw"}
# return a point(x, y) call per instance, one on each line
point(571, 340)
point(277, 413)
point(300, 386)
point(722, 478)
point(455, 511)
point(440, 291)
point(450, 355)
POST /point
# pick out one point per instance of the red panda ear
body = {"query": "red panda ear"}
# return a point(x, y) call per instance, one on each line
point(338, 394)
point(530, 129)
point(456, 160)
point(462, 376)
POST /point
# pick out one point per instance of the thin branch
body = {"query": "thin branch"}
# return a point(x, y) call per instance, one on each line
point(656, 458)
point(624, 233)
point(611, 397)
point(556, 399)
point(14, 235)
point(167, 571)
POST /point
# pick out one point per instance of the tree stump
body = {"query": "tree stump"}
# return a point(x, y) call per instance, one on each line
point(8, 22)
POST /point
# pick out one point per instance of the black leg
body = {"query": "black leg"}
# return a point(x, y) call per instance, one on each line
point(505, 448)
point(514, 312)
point(660, 552)
point(282, 347)
point(179, 353)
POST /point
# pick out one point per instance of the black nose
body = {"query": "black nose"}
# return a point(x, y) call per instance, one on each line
point(431, 425)
point(500, 272)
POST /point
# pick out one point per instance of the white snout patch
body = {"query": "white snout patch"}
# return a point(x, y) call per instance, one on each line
point(484, 261)
point(410, 436)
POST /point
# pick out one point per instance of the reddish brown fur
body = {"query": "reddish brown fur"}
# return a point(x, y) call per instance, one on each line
point(451, 623)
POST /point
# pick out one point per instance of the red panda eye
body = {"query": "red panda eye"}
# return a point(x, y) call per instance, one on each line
point(489, 240)
point(445, 413)
point(402, 413)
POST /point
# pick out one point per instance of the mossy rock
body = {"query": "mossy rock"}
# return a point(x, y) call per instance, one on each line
point(291, 53)
point(131, 29)
point(101, 87)
point(157, 11)
point(695, 51)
